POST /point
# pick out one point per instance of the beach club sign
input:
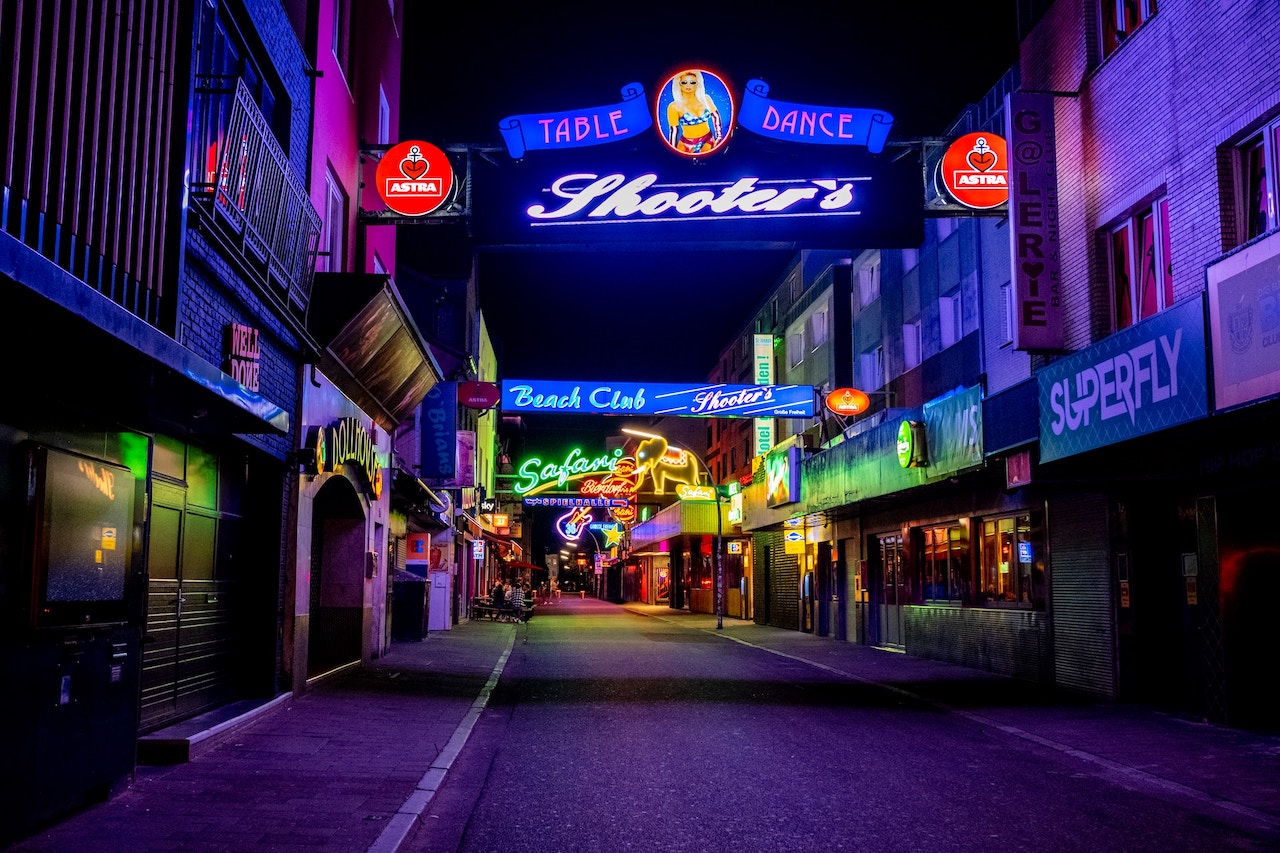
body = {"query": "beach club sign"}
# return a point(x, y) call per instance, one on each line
point(658, 398)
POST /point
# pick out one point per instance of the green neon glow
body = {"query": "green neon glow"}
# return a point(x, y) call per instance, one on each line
point(536, 476)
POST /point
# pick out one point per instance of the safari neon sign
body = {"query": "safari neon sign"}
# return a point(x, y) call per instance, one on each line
point(535, 475)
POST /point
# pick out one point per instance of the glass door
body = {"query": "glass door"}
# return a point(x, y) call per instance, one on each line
point(893, 590)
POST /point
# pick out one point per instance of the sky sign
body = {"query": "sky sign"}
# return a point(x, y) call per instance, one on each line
point(703, 400)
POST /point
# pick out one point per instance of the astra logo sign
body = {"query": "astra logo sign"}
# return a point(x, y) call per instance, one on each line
point(633, 398)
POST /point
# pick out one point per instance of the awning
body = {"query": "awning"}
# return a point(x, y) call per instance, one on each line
point(76, 350)
point(370, 347)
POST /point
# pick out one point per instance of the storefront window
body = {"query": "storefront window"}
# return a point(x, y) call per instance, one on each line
point(946, 563)
point(1013, 561)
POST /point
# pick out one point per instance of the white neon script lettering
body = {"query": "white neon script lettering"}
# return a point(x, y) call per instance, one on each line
point(1114, 386)
point(614, 195)
point(714, 401)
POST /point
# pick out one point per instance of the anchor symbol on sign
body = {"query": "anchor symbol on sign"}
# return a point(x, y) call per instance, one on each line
point(981, 157)
point(413, 166)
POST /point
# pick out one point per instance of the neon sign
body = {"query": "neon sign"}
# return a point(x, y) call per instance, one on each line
point(627, 398)
point(812, 124)
point(414, 178)
point(694, 112)
point(847, 401)
point(975, 172)
point(345, 442)
point(576, 128)
point(612, 198)
point(574, 500)
point(611, 530)
point(695, 493)
point(572, 523)
point(535, 475)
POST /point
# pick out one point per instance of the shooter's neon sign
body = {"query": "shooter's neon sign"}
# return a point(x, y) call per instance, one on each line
point(588, 197)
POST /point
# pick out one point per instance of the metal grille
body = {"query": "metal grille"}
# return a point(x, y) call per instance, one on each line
point(85, 170)
point(261, 206)
point(1080, 590)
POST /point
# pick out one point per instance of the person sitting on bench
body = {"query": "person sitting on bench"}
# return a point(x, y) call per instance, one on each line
point(515, 601)
point(499, 600)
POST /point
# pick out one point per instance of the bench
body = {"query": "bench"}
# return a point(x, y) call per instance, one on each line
point(484, 610)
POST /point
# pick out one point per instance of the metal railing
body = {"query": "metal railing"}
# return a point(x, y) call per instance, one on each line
point(262, 205)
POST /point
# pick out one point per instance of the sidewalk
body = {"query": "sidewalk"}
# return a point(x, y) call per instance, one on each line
point(346, 767)
point(352, 764)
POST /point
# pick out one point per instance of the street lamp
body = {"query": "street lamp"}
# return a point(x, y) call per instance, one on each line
point(719, 582)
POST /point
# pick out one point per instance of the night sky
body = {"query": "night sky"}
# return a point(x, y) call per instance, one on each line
point(570, 314)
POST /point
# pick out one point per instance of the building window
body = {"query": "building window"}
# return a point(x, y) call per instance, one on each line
point(341, 40)
point(1138, 259)
point(1013, 561)
point(795, 286)
point(333, 226)
point(910, 259)
point(384, 117)
point(950, 318)
point(1120, 18)
point(222, 58)
point(946, 563)
point(871, 369)
point(1258, 183)
point(869, 284)
point(912, 345)
point(795, 348)
point(946, 227)
point(1007, 301)
point(818, 328)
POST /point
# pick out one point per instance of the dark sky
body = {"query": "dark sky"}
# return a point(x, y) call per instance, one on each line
point(568, 314)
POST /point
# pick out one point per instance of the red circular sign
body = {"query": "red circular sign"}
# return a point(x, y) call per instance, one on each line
point(975, 170)
point(414, 178)
point(479, 395)
point(848, 401)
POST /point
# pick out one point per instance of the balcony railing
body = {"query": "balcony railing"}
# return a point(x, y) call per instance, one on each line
point(260, 205)
point(85, 178)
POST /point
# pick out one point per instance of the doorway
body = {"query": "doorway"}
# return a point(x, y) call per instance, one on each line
point(337, 578)
point(892, 588)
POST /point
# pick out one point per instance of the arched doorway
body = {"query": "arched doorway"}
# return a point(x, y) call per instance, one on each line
point(338, 555)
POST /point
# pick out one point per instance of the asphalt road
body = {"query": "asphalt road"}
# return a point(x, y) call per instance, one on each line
point(613, 731)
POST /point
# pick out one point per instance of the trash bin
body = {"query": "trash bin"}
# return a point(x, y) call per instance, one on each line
point(408, 607)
